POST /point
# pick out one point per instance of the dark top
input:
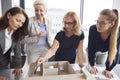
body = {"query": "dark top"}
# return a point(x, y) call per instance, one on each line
point(95, 43)
point(67, 46)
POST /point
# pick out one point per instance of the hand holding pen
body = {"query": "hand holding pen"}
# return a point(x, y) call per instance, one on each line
point(40, 60)
point(36, 67)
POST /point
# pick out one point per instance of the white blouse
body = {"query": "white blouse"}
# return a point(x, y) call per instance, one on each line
point(8, 40)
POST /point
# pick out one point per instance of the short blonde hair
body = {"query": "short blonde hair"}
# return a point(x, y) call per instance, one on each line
point(40, 2)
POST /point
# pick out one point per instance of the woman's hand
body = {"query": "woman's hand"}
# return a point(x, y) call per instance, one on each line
point(40, 60)
point(93, 70)
point(40, 34)
point(107, 74)
point(3, 78)
point(17, 71)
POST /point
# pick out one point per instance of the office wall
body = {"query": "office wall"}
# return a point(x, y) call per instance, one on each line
point(116, 4)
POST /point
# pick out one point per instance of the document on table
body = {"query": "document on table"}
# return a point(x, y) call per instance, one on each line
point(76, 68)
point(100, 76)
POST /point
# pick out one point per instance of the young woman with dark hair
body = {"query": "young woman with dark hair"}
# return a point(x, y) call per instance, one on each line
point(13, 28)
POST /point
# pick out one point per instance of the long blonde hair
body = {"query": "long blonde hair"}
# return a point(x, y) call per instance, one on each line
point(77, 26)
point(112, 16)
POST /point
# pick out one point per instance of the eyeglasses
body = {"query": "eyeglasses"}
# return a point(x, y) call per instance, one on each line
point(68, 23)
point(101, 23)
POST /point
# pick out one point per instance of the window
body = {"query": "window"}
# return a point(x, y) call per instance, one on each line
point(15, 3)
point(92, 9)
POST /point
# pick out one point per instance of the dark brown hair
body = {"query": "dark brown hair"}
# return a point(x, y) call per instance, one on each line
point(21, 32)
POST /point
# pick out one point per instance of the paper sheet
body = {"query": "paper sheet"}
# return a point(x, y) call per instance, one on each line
point(100, 76)
point(76, 67)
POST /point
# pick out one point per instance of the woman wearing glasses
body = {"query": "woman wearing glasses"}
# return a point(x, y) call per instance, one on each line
point(68, 43)
point(102, 42)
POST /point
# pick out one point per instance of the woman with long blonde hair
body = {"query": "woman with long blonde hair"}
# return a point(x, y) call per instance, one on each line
point(103, 38)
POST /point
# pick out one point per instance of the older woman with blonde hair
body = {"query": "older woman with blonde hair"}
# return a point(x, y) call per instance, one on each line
point(39, 39)
point(67, 43)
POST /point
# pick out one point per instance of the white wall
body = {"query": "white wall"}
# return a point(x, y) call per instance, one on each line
point(116, 4)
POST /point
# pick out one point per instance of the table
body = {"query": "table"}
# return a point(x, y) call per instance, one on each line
point(116, 69)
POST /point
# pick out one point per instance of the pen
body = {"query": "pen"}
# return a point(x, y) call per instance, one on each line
point(35, 69)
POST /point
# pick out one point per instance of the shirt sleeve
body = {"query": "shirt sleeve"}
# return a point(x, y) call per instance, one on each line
point(82, 36)
point(110, 67)
point(59, 36)
point(17, 55)
point(91, 46)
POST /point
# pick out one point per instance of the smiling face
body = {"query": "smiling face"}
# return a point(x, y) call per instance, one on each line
point(40, 10)
point(15, 21)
